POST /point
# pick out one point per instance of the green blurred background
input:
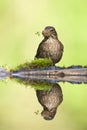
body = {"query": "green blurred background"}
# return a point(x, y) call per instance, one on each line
point(19, 21)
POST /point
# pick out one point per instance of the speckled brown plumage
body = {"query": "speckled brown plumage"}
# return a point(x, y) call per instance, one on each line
point(50, 100)
point(50, 47)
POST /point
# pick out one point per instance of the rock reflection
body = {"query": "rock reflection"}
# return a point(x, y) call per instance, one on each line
point(50, 100)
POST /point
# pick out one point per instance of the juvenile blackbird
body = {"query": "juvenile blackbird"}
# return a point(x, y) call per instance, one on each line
point(50, 47)
point(50, 100)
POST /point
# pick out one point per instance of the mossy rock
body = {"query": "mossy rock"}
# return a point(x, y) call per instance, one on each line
point(35, 64)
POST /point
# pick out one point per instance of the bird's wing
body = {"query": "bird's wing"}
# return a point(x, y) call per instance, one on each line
point(40, 49)
point(40, 96)
point(61, 46)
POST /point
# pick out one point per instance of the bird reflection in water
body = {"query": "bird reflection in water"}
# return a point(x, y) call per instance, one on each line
point(50, 100)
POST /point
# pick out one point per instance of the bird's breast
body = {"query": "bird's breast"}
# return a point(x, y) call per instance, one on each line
point(52, 45)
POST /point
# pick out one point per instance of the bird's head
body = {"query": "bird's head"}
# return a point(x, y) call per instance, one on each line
point(48, 115)
point(49, 31)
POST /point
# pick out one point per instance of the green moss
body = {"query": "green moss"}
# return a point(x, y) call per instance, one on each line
point(42, 85)
point(34, 64)
point(36, 84)
point(37, 63)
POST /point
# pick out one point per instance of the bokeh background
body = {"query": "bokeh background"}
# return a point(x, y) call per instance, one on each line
point(19, 21)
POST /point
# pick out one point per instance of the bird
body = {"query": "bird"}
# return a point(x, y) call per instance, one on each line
point(50, 46)
point(50, 100)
